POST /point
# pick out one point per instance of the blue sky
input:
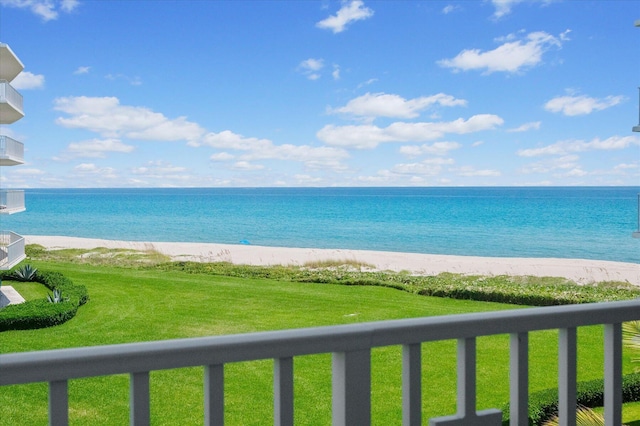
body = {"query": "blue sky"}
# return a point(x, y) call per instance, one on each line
point(325, 93)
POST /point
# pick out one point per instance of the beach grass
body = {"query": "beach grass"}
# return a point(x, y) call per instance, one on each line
point(130, 304)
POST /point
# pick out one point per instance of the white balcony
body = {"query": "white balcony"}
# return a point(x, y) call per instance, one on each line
point(11, 151)
point(10, 65)
point(350, 346)
point(11, 249)
point(10, 103)
point(11, 201)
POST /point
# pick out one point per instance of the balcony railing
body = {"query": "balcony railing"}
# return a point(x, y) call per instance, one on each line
point(10, 103)
point(11, 251)
point(351, 347)
point(11, 151)
point(11, 201)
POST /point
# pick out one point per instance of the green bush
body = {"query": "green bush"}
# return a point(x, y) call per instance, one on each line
point(40, 313)
point(543, 405)
point(528, 291)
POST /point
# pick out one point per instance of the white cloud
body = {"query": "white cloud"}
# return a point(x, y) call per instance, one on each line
point(45, 9)
point(369, 136)
point(110, 119)
point(82, 70)
point(27, 80)
point(134, 81)
point(565, 147)
point(503, 7)
point(159, 169)
point(350, 11)
point(245, 165)
point(388, 105)
point(336, 72)
point(449, 9)
point(437, 148)
point(29, 172)
point(581, 105)
point(563, 163)
point(367, 83)
point(577, 172)
point(626, 166)
point(264, 149)
point(97, 148)
point(421, 169)
point(222, 156)
point(511, 56)
point(93, 170)
point(310, 68)
point(468, 171)
point(534, 125)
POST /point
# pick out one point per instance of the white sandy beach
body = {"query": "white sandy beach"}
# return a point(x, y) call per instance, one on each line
point(578, 270)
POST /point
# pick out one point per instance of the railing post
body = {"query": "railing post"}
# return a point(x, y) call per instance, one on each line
point(519, 379)
point(467, 415)
point(283, 392)
point(214, 395)
point(411, 385)
point(613, 374)
point(59, 403)
point(567, 376)
point(351, 388)
point(139, 410)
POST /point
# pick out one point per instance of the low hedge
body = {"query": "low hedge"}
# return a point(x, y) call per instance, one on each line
point(528, 291)
point(41, 313)
point(544, 404)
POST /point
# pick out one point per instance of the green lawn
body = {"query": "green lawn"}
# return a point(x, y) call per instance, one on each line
point(129, 305)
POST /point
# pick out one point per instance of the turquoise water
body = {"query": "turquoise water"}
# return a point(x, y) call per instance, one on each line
point(576, 222)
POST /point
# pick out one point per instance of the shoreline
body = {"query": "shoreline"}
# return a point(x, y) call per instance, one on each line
point(582, 271)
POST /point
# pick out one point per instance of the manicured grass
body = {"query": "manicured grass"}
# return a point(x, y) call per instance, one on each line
point(129, 304)
point(29, 290)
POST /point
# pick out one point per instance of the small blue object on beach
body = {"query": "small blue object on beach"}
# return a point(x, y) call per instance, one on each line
point(245, 242)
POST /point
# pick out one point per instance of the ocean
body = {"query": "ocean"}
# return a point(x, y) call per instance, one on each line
point(567, 222)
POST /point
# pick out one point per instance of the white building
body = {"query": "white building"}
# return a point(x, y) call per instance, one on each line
point(11, 154)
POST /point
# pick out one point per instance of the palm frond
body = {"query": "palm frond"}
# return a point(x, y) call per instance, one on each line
point(584, 417)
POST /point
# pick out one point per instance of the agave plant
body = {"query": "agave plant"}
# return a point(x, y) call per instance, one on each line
point(26, 273)
point(56, 297)
point(584, 417)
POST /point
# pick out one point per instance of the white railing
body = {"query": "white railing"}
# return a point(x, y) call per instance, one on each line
point(11, 151)
point(11, 201)
point(351, 347)
point(11, 96)
point(11, 251)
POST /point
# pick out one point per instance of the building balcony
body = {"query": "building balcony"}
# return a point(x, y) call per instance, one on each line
point(351, 348)
point(11, 201)
point(11, 151)
point(11, 249)
point(10, 65)
point(10, 103)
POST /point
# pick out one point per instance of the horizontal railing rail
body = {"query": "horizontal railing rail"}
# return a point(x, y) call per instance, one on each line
point(10, 95)
point(351, 347)
point(11, 252)
point(11, 201)
point(11, 149)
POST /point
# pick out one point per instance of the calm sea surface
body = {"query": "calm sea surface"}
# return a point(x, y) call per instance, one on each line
point(582, 222)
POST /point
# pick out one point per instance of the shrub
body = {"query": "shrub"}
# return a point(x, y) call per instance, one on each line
point(40, 313)
point(543, 405)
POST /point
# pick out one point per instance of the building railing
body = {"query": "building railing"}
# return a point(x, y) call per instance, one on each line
point(11, 253)
point(11, 201)
point(351, 347)
point(11, 151)
point(11, 96)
